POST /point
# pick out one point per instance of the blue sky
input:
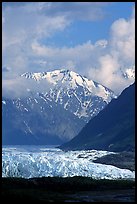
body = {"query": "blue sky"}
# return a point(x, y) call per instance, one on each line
point(80, 31)
point(95, 39)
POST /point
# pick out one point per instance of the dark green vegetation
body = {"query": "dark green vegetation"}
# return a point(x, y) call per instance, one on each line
point(76, 189)
point(113, 129)
point(123, 160)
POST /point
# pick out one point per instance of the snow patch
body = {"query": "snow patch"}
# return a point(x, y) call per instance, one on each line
point(4, 102)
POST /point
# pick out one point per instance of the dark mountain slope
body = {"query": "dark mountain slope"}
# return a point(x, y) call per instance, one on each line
point(35, 127)
point(112, 129)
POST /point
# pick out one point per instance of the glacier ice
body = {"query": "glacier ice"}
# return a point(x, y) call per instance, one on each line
point(29, 162)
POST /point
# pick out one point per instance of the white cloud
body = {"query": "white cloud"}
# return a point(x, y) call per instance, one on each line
point(18, 87)
point(90, 11)
point(23, 26)
point(120, 55)
point(123, 38)
point(26, 26)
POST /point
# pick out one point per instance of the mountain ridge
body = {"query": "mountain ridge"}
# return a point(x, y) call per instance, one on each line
point(67, 84)
point(57, 113)
point(112, 129)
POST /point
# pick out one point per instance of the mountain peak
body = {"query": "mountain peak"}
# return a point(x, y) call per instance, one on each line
point(80, 95)
point(70, 80)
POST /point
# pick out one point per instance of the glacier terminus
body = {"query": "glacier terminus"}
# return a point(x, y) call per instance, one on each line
point(34, 161)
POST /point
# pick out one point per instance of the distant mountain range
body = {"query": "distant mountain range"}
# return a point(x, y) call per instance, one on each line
point(56, 114)
point(113, 129)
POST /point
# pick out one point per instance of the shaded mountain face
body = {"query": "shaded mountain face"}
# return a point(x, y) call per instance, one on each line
point(27, 122)
point(113, 129)
point(54, 115)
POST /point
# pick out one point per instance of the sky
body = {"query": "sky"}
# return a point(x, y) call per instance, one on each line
point(94, 39)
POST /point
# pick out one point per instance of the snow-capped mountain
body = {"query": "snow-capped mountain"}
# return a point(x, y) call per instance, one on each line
point(129, 73)
point(56, 114)
point(81, 96)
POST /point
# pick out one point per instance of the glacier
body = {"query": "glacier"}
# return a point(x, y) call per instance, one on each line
point(34, 161)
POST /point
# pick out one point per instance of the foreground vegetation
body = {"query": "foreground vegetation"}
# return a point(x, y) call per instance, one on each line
point(76, 189)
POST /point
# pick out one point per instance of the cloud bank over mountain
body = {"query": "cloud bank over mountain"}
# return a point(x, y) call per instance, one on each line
point(26, 28)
